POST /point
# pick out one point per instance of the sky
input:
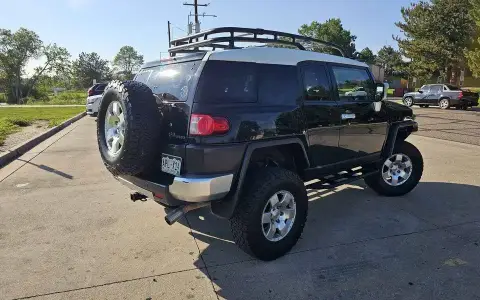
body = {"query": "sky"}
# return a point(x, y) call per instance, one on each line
point(104, 26)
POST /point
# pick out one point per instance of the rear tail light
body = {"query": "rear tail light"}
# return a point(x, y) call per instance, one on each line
point(90, 92)
point(207, 125)
point(460, 95)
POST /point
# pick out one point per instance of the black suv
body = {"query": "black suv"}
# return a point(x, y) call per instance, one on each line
point(241, 130)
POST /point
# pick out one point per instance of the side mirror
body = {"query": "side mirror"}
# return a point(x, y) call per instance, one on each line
point(381, 93)
point(420, 91)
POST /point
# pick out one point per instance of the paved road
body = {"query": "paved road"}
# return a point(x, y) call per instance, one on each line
point(68, 231)
point(453, 125)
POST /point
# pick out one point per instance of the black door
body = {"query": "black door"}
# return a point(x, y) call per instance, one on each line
point(320, 110)
point(363, 129)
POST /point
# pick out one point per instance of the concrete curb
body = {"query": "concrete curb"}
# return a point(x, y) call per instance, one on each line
point(21, 149)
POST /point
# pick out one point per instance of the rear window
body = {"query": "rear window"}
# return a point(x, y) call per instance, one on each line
point(100, 87)
point(172, 81)
point(453, 88)
point(227, 82)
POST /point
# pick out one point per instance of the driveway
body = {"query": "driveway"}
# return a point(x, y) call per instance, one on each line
point(69, 231)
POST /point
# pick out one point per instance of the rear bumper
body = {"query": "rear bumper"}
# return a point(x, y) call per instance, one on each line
point(468, 102)
point(187, 189)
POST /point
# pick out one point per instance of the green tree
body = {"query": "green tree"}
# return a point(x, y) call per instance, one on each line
point(128, 60)
point(90, 66)
point(436, 36)
point(473, 54)
point(367, 56)
point(330, 31)
point(16, 49)
point(389, 59)
point(56, 61)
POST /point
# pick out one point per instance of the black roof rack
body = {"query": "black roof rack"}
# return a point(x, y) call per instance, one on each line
point(225, 38)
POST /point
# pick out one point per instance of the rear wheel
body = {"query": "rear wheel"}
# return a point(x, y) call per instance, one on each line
point(408, 101)
point(444, 103)
point(400, 172)
point(272, 213)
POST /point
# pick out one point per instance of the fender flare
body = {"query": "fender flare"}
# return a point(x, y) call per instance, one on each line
point(225, 207)
point(393, 130)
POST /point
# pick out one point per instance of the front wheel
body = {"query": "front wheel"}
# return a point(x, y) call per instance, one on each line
point(400, 172)
point(270, 218)
point(408, 101)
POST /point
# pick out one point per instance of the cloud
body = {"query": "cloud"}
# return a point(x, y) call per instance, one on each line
point(75, 4)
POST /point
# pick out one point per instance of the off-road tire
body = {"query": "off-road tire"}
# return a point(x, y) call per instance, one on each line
point(142, 127)
point(376, 182)
point(246, 221)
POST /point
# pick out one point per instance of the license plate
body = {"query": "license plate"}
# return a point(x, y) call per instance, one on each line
point(171, 164)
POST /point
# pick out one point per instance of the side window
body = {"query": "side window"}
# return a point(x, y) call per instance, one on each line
point(226, 81)
point(315, 82)
point(436, 89)
point(354, 84)
point(425, 88)
point(277, 84)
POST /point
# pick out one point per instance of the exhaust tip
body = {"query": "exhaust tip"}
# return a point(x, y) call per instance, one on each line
point(174, 215)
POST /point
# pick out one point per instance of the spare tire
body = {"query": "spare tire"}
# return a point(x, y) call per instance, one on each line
point(128, 127)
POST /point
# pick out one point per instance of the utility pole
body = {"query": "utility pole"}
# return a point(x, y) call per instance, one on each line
point(169, 36)
point(197, 23)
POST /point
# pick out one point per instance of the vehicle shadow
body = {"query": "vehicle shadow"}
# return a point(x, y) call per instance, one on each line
point(349, 215)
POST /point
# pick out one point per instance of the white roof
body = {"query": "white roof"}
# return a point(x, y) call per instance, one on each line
point(278, 56)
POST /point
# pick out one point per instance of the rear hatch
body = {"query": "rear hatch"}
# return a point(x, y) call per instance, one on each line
point(172, 82)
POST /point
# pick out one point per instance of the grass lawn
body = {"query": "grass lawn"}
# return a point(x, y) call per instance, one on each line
point(62, 98)
point(13, 118)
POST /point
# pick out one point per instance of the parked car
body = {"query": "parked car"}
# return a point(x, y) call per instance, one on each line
point(358, 91)
point(94, 98)
point(443, 95)
point(241, 130)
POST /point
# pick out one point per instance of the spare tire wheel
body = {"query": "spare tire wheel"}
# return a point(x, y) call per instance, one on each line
point(128, 127)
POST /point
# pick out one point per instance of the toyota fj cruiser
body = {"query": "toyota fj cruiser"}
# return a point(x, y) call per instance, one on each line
point(240, 130)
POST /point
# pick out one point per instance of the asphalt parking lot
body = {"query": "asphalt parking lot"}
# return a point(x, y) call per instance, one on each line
point(453, 125)
point(68, 231)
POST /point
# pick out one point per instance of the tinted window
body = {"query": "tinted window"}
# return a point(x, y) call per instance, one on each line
point(315, 82)
point(354, 84)
point(435, 89)
point(225, 81)
point(277, 84)
point(171, 81)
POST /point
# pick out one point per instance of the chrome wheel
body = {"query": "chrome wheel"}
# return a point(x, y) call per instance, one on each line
point(408, 101)
point(397, 169)
point(114, 128)
point(278, 216)
point(444, 103)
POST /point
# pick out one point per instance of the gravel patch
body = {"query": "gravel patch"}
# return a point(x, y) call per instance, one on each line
point(23, 135)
